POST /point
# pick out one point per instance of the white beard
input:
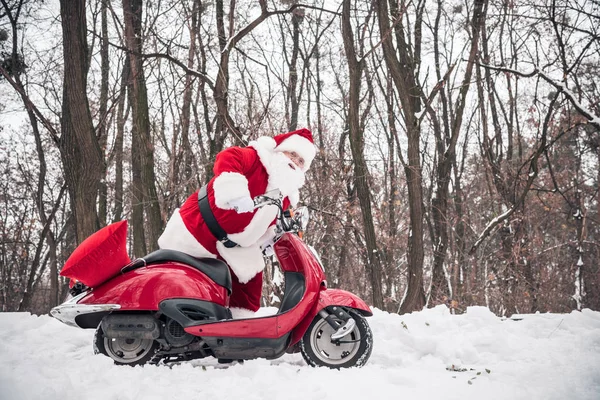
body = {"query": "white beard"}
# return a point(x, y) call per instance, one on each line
point(284, 174)
point(281, 175)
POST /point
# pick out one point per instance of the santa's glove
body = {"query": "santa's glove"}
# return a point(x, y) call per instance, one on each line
point(242, 204)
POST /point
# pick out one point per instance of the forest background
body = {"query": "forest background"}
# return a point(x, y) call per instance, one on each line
point(458, 142)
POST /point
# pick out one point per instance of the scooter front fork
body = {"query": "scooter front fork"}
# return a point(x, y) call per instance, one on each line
point(338, 319)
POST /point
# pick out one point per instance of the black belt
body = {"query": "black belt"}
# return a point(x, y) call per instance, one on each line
point(211, 221)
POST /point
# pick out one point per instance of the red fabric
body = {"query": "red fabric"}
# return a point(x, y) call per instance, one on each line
point(246, 295)
point(244, 161)
point(235, 159)
point(100, 256)
point(305, 133)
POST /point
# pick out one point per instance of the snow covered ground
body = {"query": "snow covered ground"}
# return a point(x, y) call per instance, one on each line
point(425, 355)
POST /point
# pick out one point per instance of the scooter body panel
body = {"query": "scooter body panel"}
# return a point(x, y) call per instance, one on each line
point(145, 288)
point(293, 256)
point(265, 327)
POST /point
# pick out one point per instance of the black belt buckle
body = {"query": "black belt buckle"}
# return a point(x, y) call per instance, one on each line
point(228, 243)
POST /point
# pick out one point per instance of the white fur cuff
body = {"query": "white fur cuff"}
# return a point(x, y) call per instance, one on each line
point(245, 262)
point(228, 186)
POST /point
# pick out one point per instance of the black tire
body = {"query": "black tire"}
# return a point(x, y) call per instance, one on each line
point(353, 350)
point(125, 351)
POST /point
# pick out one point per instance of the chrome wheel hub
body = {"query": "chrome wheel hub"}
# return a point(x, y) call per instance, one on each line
point(334, 352)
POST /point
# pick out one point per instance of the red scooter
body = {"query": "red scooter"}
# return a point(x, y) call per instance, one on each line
point(170, 307)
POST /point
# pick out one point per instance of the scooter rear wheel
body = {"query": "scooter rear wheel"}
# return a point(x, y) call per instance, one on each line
point(353, 350)
point(124, 351)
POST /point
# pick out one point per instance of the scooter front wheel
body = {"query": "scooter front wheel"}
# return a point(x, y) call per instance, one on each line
point(353, 350)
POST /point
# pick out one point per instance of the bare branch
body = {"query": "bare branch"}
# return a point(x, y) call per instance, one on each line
point(533, 168)
point(387, 33)
point(30, 106)
point(589, 115)
point(167, 57)
point(264, 15)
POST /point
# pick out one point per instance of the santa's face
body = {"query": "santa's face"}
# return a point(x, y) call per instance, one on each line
point(298, 161)
point(285, 174)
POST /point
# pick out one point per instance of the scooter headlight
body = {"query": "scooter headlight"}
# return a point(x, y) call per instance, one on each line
point(302, 216)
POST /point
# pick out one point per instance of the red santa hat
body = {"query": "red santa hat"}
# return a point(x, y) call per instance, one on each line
point(300, 141)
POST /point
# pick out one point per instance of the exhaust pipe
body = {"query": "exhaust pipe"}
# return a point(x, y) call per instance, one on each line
point(130, 326)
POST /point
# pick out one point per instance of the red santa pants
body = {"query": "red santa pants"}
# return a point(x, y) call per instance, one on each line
point(246, 295)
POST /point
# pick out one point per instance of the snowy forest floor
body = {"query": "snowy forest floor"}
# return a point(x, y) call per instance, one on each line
point(424, 355)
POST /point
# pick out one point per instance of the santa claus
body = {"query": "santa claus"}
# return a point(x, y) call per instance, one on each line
point(240, 174)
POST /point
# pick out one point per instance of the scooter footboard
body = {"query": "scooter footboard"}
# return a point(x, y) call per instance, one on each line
point(330, 297)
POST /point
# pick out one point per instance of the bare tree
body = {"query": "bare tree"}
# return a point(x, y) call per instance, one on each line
point(402, 64)
point(102, 128)
point(80, 151)
point(446, 156)
point(143, 189)
point(361, 173)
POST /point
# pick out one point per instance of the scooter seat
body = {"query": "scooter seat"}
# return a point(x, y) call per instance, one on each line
point(215, 269)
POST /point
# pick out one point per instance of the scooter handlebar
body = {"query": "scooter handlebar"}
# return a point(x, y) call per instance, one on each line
point(271, 197)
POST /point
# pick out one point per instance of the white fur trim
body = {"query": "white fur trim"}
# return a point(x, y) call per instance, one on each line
point(294, 198)
point(242, 313)
point(246, 262)
point(177, 237)
point(228, 186)
point(264, 142)
point(300, 145)
point(267, 238)
point(256, 228)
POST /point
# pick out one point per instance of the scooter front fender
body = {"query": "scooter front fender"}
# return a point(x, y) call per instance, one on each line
point(339, 297)
point(330, 297)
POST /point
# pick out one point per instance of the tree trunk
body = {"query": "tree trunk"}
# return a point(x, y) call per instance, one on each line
point(446, 149)
point(462, 272)
point(217, 142)
point(328, 240)
point(80, 152)
point(393, 189)
point(103, 111)
point(297, 17)
point(402, 68)
point(187, 156)
point(122, 112)
point(142, 145)
point(360, 166)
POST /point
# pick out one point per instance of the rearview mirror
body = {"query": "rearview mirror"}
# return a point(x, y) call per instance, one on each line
point(302, 216)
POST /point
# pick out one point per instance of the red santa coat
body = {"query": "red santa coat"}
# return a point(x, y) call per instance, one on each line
point(238, 172)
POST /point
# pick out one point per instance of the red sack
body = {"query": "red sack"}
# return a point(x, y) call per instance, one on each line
point(100, 256)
